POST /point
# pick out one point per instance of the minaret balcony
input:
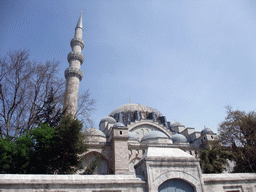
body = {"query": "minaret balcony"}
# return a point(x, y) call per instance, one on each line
point(75, 55)
point(77, 41)
point(73, 72)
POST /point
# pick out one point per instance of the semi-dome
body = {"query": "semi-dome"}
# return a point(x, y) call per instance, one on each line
point(154, 135)
point(108, 119)
point(93, 132)
point(118, 124)
point(131, 107)
point(206, 131)
point(132, 136)
point(179, 138)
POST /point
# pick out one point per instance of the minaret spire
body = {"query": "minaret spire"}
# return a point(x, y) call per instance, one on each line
point(80, 22)
point(74, 74)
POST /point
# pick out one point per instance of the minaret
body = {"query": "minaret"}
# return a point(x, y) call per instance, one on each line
point(74, 74)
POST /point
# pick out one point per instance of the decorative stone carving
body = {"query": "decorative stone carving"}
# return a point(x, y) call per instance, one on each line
point(76, 55)
point(77, 41)
point(73, 72)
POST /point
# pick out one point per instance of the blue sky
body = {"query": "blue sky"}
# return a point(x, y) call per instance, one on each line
point(188, 59)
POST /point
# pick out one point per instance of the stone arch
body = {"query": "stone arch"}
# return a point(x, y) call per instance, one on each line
point(104, 165)
point(189, 178)
point(96, 152)
point(152, 124)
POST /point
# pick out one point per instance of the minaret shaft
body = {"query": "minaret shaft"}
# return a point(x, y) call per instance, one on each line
point(73, 74)
point(71, 95)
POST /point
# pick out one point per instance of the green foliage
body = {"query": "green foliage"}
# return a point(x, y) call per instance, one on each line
point(213, 160)
point(15, 154)
point(69, 143)
point(29, 153)
point(245, 158)
point(6, 149)
point(239, 131)
point(44, 149)
point(41, 153)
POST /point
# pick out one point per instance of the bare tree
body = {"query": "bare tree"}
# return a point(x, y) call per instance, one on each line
point(25, 86)
point(85, 109)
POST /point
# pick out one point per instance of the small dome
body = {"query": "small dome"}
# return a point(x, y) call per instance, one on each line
point(206, 131)
point(118, 124)
point(154, 135)
point(108, 119)
point(93, 132)
point(175, 123)
point(179, 138)
point(132, 136)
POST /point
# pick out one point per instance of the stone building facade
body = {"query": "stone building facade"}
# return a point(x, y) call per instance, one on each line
point(138, 150)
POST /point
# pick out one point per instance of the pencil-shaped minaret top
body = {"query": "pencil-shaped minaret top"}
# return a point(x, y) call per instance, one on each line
point(73, 74)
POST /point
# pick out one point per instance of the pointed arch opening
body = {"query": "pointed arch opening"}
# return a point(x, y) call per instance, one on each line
point(97, 162)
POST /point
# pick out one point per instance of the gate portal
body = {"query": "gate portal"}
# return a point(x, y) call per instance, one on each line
point(175, 185)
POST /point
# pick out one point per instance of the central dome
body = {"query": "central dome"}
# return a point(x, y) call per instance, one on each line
point(135, 112)
point(131, 107)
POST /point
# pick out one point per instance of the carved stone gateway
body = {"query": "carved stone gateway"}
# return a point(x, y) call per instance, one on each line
point(159, 165)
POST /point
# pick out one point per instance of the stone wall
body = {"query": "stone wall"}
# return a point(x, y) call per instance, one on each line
point(236, 182)
point(70, 183)
point(230, 182)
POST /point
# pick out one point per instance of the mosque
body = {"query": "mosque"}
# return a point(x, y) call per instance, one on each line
point(138, 127)
point(138, 151)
